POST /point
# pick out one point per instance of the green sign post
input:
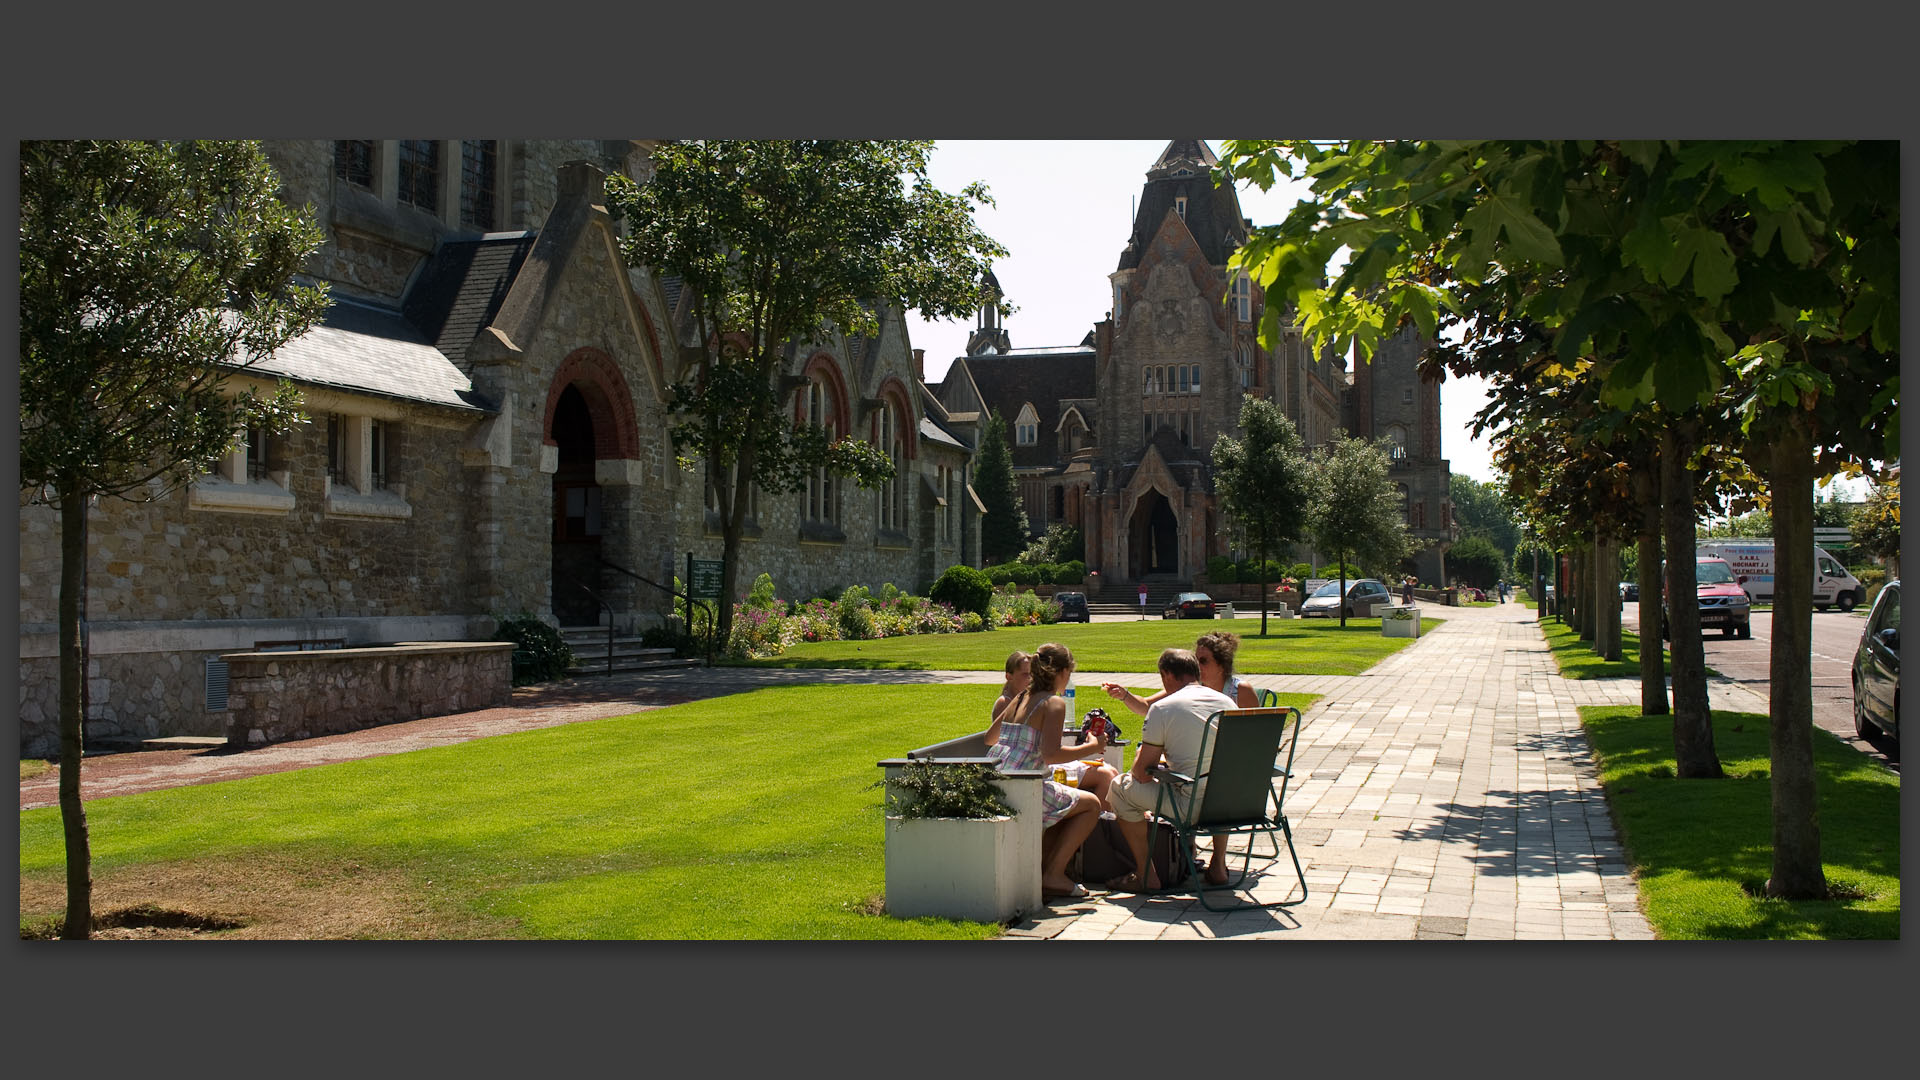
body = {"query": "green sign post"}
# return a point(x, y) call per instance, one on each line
point(703, 578)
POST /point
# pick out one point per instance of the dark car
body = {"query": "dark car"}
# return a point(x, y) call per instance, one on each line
point(1189, 605)
point(1073, 607)
point(1876, 670)
point(1630, 590)
point(1362, 594)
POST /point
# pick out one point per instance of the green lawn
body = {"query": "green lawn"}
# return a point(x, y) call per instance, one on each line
point(1577, 660)
point(744, 817)
point(1291, 647)
point(1702, 848)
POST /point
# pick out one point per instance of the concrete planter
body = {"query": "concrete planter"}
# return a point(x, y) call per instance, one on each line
point(959, 868)
point(1397, 620)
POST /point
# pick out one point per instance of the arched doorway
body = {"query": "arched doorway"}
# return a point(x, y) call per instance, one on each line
point(577, 512)
point(1153, 541)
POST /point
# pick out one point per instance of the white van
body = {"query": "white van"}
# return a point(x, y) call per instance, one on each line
point(1753, 560)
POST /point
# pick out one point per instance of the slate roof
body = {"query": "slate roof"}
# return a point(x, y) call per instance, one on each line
point(461, 289)
point(1042, 376)
point(372, 350)
point(1213, 215)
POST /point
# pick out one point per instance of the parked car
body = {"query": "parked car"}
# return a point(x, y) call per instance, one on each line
point(1630, 590)
point(1723, 602)
point(1189, 605)
point(1362, 594)
point(1876, 670)
point(1073, 607)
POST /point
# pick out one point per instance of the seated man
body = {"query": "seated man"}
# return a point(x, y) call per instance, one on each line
point(1171, 734)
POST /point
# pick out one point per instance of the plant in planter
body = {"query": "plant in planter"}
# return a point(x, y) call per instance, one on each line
point(955, 847)
point(1401, 622)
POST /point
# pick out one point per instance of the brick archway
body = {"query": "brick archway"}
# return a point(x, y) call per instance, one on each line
point(894, 392)
point(824, 364)
point(616, 434)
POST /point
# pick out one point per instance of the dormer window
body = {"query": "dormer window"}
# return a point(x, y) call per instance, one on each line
point(1026, 426)
point(1180, 206)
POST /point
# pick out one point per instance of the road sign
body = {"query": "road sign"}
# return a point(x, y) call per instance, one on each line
point(703, 578)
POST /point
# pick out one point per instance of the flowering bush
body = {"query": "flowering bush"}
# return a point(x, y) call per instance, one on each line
point(756, 632)
point(814, 621)
point(765, 626)
point(971, 622)
point(1023, 609)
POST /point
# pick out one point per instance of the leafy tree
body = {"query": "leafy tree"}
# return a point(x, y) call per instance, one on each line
point(1481, 510)
point(1758, 278)
point(1358, 516)
point(1476, 562)
point(1265, 483)
point(779, 244)
point(1060, 543)
point(149, 272)
point(1003, 531)
point(1876, 524)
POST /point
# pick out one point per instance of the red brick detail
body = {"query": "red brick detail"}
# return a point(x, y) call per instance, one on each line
point(823, 363)
point(615, 432)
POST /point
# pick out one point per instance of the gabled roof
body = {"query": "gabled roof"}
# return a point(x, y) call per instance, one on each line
point(373, 350)
point(1044, 377)
point(461, 287)
point(1213, 215)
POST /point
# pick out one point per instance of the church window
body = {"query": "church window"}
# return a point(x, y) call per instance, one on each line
point(353, 161)
point(1196, 377)
point(1406, 506)
point(1180, 206)
point(1397, 442)
point(1160, 380)
point(420, 174)
point(733, 478)
point(823, 504)
point(1148, 388)
point(478, 170)
point(893, 492)
point(1406, 396)
point(1184, 384)
point(1119, 301)
point(1027, 426)
point(1242, 297)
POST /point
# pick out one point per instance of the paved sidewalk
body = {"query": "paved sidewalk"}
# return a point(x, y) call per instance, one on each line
point(1448, 793)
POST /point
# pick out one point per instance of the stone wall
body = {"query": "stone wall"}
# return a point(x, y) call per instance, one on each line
point(299, 695)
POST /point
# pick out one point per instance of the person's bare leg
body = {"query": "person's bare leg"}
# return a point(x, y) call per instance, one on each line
point(1217, 861)
point(1099, 780)
point(1068, 834)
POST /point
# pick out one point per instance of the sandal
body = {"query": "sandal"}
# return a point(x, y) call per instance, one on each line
point(1079, 892)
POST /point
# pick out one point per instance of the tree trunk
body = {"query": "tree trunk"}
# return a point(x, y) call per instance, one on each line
point(1263, 593)
point(1606, 590)
point(73, 712)
point(1653, 665)
point(1797, 874)
point(1693, 752)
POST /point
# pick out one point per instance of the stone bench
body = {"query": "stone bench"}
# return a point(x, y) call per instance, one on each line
point(275, 696)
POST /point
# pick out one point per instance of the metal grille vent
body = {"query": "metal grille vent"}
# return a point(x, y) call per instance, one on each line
point(216, 685)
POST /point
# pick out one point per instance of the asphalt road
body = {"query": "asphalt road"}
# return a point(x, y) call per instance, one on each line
point(1835, 635)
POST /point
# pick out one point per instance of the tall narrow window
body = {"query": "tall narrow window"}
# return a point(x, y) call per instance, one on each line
point(1184, 385)
point(822, 502)
point(893, 494)
point(420, 174)
point(1242, 297)
point(1148, 388)
point(353, 161)
point(477, 169)
point(336, 448)
point(1180, 206)
point(256, 454)
point(377, 454)
point(1196, 378)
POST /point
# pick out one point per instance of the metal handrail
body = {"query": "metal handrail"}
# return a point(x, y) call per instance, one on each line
point(608, 608)
point(687, 596)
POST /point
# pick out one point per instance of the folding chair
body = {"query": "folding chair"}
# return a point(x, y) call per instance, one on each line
point(1238, 782)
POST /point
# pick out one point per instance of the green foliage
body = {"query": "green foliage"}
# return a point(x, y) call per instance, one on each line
point(965, 589)
point(1023, 609)
point(1299, 571)
point(1358, 516)
point(1003, 531)
point(761, 597)
point(853, 612)
point(972, 623)
point(1338, 570)
point(778, 242)
point(1876, 524)
point(540, 654)
point(1060, 543)
point(1267, 485)
point(1481, 510)
point(1071, 572)
point(1254, 571)
point(1220, 570)
point(1475, 561)
point(924, 789)
point(148, 272)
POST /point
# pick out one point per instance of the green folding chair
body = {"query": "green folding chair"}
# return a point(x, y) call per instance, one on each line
point(1242, 788)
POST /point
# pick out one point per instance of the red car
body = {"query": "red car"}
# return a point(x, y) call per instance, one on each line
point(1723, 603)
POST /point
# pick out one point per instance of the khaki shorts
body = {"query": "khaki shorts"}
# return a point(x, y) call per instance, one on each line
point(1132, 799)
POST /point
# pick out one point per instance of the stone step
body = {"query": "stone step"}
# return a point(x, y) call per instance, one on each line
point(622, 665)
point(184, 742)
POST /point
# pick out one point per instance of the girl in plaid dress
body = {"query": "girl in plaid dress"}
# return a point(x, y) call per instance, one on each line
point(1030, 738)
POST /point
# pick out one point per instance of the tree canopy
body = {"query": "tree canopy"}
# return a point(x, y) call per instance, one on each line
point(1003, 530)
point(782, 244)
point(1358, 518)
point(1265, 482)
point(149, 272)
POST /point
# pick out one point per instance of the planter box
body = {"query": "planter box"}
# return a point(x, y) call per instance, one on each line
point(1397, 620)
point(978, 869)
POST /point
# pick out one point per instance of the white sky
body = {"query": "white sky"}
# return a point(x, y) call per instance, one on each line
point(1064, 209)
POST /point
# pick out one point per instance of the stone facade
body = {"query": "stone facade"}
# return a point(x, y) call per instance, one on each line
point(1391, 399)
point(472, 387)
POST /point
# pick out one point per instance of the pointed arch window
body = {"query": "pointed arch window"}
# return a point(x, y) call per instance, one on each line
point(1026, 426)
point(893, 494)
point(823, 496)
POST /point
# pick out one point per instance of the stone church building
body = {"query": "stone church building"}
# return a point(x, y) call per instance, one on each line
point(487, 403)
point(1114, 435)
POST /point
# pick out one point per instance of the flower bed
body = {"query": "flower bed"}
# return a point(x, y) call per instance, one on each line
point(765, 625)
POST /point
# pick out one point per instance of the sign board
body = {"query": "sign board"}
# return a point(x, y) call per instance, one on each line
point(704, 578)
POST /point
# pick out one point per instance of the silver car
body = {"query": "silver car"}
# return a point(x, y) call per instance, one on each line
point(1362, 594)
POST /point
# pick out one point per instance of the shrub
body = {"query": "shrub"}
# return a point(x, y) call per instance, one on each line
point(756, 633)
point(760, 597)
point(815, 620)
point(971, 622)
point(964, 589)
point(999, 575)
point(922, 789)
point(856, 623)
point(1023, 609)
point(1870, 575)
point(888, 593)
point(1333, 570)
point(1069, 573)
point(1221, 571)
point(540, 654)
point(1299, 571)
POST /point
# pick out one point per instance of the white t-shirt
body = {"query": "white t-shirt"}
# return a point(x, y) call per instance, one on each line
point(1176, 722)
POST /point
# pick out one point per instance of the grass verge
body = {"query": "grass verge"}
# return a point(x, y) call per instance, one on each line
point(1577, 660)
point(745, 817)
point(1702, 848)
point(32, 767)
point(1291, 647)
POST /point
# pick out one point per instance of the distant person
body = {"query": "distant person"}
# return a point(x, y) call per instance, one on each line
point(1030, 738)
point(1406, 590)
